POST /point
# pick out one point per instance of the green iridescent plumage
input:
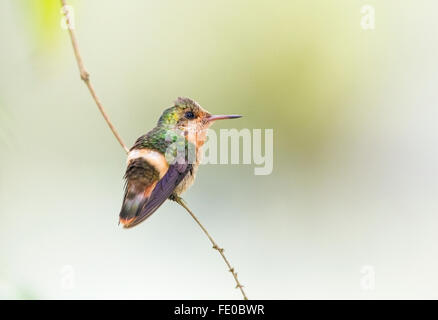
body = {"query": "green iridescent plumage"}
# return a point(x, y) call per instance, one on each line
point(168, 130)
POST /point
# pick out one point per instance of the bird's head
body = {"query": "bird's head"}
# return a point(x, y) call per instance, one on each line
point(187, 115)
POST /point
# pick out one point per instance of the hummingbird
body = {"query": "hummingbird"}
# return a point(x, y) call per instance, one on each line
point(163, 163)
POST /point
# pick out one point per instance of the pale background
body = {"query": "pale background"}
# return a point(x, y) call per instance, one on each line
point(354, 115)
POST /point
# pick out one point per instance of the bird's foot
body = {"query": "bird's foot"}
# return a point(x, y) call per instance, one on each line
point(175, 198)
point(178, 200)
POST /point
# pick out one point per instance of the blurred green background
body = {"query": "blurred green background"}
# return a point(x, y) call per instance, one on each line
point(355, 165)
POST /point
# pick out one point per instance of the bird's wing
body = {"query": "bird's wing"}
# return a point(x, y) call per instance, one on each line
point(141, 178)
point(160, 192)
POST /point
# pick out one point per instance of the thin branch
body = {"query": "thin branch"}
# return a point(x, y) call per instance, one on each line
point(181, 202)
point(85, 76)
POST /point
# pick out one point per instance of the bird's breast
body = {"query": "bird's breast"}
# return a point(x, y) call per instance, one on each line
point(188, 180)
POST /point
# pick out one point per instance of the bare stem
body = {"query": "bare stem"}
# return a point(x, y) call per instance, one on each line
point(181, 202)
point(85, 76)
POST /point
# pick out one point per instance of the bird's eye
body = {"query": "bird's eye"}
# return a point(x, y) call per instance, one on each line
point(190, 115)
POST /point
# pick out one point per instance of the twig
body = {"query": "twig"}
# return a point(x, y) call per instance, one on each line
point(181, 202)
point(85, 76)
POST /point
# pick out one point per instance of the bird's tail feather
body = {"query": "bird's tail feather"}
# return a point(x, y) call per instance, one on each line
point(133, 204)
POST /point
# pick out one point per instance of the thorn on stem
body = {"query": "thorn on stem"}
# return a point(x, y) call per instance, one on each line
point(85, 76)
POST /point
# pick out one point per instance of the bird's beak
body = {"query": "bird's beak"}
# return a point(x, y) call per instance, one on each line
point(222, 117)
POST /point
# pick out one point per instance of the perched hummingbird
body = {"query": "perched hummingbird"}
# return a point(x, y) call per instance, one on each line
point(156, 169)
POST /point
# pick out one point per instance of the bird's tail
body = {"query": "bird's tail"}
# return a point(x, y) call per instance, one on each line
point(135, 199)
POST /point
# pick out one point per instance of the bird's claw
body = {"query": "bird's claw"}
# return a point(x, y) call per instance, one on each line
point(175, 198)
